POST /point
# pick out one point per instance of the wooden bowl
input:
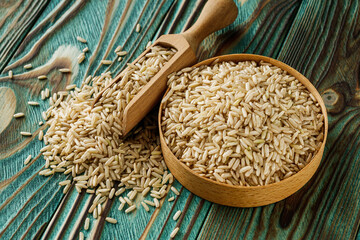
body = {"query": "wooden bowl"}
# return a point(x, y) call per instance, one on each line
point(240, 196)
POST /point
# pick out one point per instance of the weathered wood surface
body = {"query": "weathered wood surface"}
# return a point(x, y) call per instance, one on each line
point(321, 39)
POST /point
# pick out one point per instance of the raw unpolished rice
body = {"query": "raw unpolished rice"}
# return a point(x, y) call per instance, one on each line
point(157, 203)
point(41, 135)
point(106, 62)
point(149, 203)
point(81, 57)
point(111, 220)
point(177, 215)
point(80, 39)
point(28, 66)
point(47, 92)
point(243, 123)
point(33, 103)
point(121, 53)
point(174, 190)
point(42, 95)
point(27, 160)
point(121, 206)
point(42, 77)
point(19, 115)
point(65, 70)
point(138, 27)
point(174, 232)
point(85, 142)
point(145, 206)
point(87, 223)
point(130, 209)
point(118, 48)
point(28, 134)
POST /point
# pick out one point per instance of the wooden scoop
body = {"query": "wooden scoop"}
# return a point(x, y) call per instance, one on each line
point(215, 15)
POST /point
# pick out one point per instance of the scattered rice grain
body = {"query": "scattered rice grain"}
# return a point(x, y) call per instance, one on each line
point(138, 28)
point(33, 103)
point(65, 70)
point(27, 134)
point(130, 209)
point(19, 115)
point(146, 207)
point(177, 215)
point(28, 66)
point(111, 220)
point(106, 62)
point(174, 232)
point(80, 39)
point(42, 77)
point(174, 190)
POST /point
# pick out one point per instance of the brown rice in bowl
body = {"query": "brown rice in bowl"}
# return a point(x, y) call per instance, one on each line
point(243, 123)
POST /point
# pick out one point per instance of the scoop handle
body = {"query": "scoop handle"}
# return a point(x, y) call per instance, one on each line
point(215, 15)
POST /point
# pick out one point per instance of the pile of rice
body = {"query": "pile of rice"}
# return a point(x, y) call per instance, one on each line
point(85, 142)
point(243, 123)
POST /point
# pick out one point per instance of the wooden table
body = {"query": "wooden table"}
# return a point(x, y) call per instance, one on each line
point(321, 39)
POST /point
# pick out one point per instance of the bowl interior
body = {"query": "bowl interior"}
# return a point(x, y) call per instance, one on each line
point(280, 190)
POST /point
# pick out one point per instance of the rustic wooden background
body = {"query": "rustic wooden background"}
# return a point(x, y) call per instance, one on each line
point(321, 39)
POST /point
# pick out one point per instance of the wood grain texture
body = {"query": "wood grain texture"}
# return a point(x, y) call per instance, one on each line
point(17, 18)
point(318, 38)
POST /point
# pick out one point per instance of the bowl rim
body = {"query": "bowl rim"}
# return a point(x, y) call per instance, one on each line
point(252, 57)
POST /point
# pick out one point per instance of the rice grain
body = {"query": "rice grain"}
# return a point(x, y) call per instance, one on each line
point(146, 207)
point(111, 220)
point(138, 28)
point(27, 134)
point(19, 115)
point(28, 66)
point(106, 62)
point(174, 190)
point(27, 160)
point(174, 232)
point(80, 39)
point(33, 103)
point(65, 70)
point(177, 215)
point(87, 223)
point(130, 209)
